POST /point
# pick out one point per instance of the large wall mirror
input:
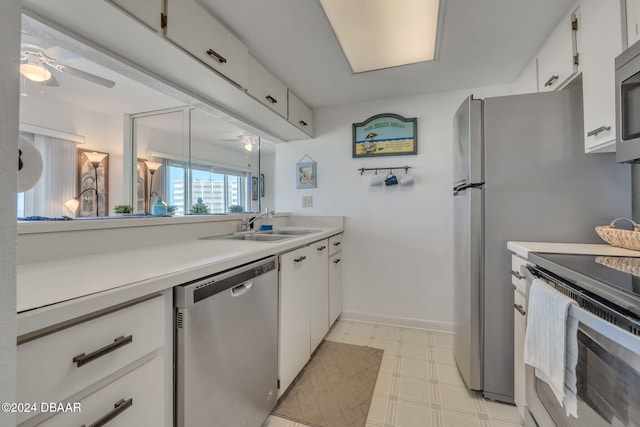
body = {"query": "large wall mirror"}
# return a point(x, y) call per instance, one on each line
point(112, 137)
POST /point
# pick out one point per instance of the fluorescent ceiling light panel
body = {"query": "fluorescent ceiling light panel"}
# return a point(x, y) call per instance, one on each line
point(376, 34)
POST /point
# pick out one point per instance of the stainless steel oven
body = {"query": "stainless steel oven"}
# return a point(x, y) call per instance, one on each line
point(608, 368)
point(628, 104)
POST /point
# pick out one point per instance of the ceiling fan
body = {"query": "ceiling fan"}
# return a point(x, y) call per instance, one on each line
point(37, 64)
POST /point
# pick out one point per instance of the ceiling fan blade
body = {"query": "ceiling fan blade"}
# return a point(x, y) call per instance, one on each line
point(84, 75)
point(59, 54)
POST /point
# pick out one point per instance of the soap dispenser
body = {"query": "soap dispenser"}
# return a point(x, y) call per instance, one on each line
point(159, 207)
point(266, 223)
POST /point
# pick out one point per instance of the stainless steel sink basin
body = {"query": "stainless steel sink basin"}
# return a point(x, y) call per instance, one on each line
point(290, 232)
point(256, 237)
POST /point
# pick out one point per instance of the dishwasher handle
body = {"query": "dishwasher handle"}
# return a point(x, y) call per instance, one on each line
point(242, 288)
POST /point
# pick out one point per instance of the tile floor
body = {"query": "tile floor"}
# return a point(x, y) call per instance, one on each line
point(418, 384)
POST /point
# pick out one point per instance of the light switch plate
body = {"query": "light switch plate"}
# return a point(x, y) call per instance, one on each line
point(307, 201)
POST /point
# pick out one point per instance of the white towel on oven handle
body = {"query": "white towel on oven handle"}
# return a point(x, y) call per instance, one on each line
point(550, 344)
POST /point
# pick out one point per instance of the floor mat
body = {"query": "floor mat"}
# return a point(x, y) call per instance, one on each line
point(335, 388)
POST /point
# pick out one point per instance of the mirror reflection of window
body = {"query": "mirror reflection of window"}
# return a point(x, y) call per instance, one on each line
point(196, 148)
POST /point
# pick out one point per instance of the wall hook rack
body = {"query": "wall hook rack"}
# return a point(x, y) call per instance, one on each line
point(406, 169)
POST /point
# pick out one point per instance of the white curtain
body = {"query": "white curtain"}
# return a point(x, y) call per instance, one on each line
point(58, 181)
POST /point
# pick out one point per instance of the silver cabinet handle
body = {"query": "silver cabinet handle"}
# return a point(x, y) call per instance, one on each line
point(520, 309)
point(271, 99)
point(83, 359)
point(597, 131)
point(321, 248)
point(300, 259)
point(551, 80)
point(119, 407)
point(303, 123)
point(335, 261)
point(221, 59)
point(517, 275)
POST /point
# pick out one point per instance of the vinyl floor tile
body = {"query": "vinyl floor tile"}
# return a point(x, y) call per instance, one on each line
point(418, 384)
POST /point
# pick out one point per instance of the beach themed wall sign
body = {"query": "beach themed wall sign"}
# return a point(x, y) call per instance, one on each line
point(306, 173)
point(385, 135)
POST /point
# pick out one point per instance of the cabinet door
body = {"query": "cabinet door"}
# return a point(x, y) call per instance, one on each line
point(300, 115)
point(601, 32)
point(519, 325)
point(335, 287)
point(266, 88)
point(318, 277)
point(633, 21)
point(135, 399)
point(294, 326)
point(556, 59)
point(146, 11)
point(192, 27)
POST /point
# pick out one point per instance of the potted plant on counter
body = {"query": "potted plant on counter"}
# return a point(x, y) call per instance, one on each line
point(199, 208)
point(236, 209)
point(123, 209)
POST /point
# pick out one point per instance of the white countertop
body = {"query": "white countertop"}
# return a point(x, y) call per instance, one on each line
point(55, 291)
point(522, 249)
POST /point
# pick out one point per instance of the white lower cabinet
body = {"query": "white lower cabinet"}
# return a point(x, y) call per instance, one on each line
point(294, 333)
point(318, 276)
point(335, 287)
point(75, 361)
point(519, 328)
point(132, 400)
point(306, 305)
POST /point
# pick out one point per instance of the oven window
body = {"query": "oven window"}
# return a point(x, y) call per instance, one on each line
point(608, 388)
point(630, 107)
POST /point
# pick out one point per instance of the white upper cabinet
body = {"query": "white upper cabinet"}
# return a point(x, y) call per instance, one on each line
point(557, 61)
point(300, 115)
point(601, 42)
point(193, 28)
point(633, 21)
point(266, 88)
point(148, 12)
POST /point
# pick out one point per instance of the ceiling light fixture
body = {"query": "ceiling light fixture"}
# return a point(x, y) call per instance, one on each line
point(35, 72)
point(377, 34)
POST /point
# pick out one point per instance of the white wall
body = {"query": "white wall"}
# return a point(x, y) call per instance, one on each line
point(102, 132)
point(9, 92)
point(398, 241)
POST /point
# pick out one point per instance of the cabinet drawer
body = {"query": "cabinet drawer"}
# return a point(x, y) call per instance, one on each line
point(266, 88)
point(335, 244)
point(192, 27)
point(517, 279)
point(137, 395)
point(47, 371)
point(300, 115)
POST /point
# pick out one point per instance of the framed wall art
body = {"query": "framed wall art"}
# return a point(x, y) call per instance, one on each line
point(261, 185)
point(141, 186)
point(254, 188)
point(87, 180)
point(306, 174)
point(385, 135)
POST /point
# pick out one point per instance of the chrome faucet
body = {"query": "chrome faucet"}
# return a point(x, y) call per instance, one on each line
point(246, 223)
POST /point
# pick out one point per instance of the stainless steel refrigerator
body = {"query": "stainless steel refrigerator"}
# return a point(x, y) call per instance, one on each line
point(520, 173)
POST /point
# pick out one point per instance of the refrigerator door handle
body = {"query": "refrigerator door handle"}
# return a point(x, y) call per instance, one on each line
point(458, 188)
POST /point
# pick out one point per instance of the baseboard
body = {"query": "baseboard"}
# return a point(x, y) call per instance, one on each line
point(406, 322)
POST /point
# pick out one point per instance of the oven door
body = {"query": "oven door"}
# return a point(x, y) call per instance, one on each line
point(608, 379)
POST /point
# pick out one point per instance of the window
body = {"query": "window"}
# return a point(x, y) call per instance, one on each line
point(218, 187)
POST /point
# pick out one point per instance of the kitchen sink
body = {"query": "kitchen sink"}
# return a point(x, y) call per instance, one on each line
point(289, 232)
point(256, 237)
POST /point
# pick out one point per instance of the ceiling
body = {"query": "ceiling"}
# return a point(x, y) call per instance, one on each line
point(482, 43)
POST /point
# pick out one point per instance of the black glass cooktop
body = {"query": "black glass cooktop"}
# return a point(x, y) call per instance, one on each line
point(615, 279)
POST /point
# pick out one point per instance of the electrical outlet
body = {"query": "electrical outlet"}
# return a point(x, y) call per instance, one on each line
point(307, 201)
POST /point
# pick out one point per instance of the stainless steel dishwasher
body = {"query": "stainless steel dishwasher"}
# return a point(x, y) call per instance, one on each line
point(227, 347)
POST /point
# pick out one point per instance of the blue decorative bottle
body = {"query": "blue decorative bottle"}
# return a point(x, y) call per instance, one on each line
point(159, 207)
